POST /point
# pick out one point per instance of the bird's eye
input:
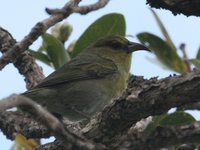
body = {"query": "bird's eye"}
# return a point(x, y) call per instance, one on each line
point(116, 45)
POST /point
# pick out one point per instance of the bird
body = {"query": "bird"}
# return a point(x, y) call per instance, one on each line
point(88, 82)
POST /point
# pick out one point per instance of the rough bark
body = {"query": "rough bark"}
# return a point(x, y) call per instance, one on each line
point(186, 7)
point(24, 62)
point(143, 98)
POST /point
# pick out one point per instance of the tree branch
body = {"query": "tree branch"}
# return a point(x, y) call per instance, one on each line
point(162, 137)
point(19, 123)
point(41, 27)
point(68, 139)
point(6, 40)
point(89, 8)
point(144, 98)
point(24, 63)
point(186, 7)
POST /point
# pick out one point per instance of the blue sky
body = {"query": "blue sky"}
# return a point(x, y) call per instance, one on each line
point(18, 17)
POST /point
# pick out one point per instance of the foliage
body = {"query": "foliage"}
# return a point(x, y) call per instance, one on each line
point(53, 52)
point(176, 118)
point(165, 50)
point(109, 24)
point(196, 61)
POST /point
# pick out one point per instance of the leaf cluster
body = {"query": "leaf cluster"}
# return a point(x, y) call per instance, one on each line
point(53, 51)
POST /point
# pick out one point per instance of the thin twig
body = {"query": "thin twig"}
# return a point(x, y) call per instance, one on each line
point(41, 27)
point(89, 8)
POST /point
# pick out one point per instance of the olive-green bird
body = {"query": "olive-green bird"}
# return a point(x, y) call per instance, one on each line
point(88, 82)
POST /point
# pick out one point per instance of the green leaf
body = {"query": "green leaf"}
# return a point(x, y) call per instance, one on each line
point(55, 50)
point(41, 56)
point(110, 24)
point(163, 30)
point(41, 48)
point(155, 123)
point(177, 118)
point(195, 62)
point(163, 51)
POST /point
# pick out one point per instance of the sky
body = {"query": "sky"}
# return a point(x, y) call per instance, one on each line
point(18, 17)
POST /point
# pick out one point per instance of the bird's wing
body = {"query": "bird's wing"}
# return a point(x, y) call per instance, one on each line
point(80, 70)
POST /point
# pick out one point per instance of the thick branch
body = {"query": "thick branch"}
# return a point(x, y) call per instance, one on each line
point(162, 137)
point(68, 139)
point(15, 122)
point(24, 63)
point(186, 7)
point(56, 145)
point(18, 122)
point(142, 99)
point(6, 40)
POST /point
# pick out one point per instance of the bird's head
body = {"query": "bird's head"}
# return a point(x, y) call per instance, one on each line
point(119, 43)
point(116, 48)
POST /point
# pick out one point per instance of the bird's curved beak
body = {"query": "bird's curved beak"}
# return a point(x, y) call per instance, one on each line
point(132, 47)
